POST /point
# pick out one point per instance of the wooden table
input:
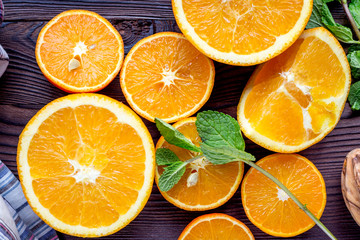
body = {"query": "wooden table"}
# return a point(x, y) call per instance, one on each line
point(24, 90)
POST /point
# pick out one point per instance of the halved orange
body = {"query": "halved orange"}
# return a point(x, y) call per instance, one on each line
point(294, 100)
point(165, 76)
point(86, 164)
point(79, 51)
point(204, 186)
point(244, 32)
point(269, 208)
point(216, 226)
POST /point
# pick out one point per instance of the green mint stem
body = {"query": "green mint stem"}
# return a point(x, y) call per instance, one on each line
point(287, 191)
point(351, 19)
point(194, 158)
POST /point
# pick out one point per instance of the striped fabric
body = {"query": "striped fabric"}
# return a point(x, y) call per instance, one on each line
point(28, 224)
point(1, 12)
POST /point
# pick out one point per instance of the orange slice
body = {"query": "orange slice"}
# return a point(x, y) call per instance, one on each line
point(216, 226)
point(242, 32)
point(86, 164)
point(294, 100)
point(270, 208)
point(204, 186)
point(79, 51)
point(164, 76)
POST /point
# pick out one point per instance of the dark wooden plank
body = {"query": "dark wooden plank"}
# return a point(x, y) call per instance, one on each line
point(20, 10)
point(34, 10)
point(24, 90)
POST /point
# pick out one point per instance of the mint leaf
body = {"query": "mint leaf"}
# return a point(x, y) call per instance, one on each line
point(165, 156)
point(353, 48)
point(326, 17)
point(225, 154)
point(174, 137)
point(342, 33)
point(354, 96)
point(315, 18)
point(354, 7)
point(321, 17)
point(219, 130)
point(172, 175)
point(354, 61)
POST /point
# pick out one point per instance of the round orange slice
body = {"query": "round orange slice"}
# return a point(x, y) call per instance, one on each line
point(269, 208)
point(86, 164)
point(216, 226)
point(79, 51)
point(204, 186)
point(165, 76)
point(242, 32)
point(294, 100)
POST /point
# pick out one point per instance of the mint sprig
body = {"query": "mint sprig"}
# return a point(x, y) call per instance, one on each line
point(172, 175)
point(222, 143)
point(166, 157)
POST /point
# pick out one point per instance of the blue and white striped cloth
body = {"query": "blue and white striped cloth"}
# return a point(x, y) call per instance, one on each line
point(28, 224)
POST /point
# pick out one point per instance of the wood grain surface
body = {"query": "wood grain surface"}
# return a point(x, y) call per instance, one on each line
point(24, 90)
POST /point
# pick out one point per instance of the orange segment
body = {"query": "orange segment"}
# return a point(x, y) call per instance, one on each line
point(242, 32)
point(269, 208)
point(86, 164)
point(215, 184)
point(83, 38)
point(164, 76)
point(294, 100)
point(216, 226)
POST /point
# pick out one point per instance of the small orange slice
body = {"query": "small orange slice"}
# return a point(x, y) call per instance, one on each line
point(86, 164)
point(79, 51)
point(209, 186)
point(245, 32)
point(165, 76)
point(294, 100)
point(216, 226)
point(270, 208)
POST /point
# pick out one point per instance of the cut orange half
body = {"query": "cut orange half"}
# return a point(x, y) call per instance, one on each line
point(79, 51)
point(204, 186)
point(269, 208)
point(216, 226)
point(86, 164)
point(165, 76)
point(242, 32)
point(294, 100)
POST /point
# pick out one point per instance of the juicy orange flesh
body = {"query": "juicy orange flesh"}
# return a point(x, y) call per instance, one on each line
point(217, 229)
point(242, 27)
point(261, 194)
point(167, 76)
point(112, 157)
point(291, 97)
point(214, 181)
point(100, 44)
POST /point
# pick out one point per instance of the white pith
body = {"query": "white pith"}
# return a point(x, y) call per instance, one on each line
point(84, 173)
point(282, 196)
point(124, 115)
point(195, 166)
point(80, 49)
point(339, 101)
